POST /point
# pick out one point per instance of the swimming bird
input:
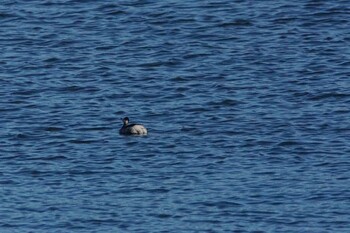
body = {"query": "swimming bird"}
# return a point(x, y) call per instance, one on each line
point(132, 129)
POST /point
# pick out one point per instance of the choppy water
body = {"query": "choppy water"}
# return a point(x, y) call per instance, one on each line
point(246, 103)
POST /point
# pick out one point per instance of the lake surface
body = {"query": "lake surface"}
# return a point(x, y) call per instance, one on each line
point(246, 104)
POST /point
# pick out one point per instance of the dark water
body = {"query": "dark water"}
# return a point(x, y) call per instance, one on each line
point(246, 103)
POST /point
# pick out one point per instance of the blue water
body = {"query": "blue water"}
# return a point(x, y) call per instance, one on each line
point(246, 104)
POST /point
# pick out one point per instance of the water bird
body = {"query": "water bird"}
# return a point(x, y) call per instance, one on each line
point(132, 129)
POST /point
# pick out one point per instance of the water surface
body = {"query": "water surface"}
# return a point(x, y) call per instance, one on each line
point(246, 104)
